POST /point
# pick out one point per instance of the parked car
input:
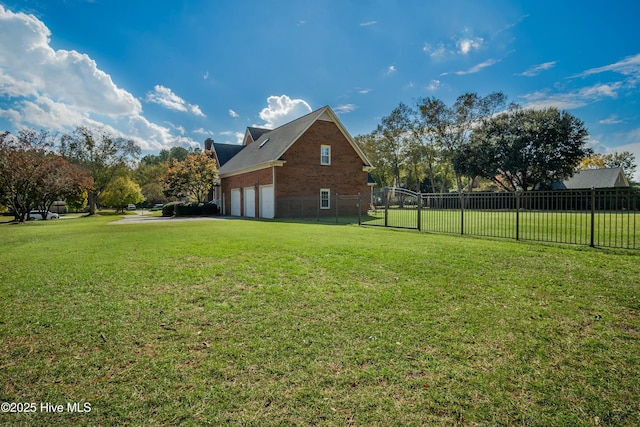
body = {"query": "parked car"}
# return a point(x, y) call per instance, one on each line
point(157, 207)
point(38, 215)
point(131, 207)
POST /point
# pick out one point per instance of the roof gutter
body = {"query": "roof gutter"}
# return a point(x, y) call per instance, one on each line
point(252, 168)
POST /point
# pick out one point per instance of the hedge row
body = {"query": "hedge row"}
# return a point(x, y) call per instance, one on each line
point(190, 209)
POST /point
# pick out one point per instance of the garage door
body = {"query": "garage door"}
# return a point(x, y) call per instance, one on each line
point(250, 202)
point(235, 202)
point(266, 202)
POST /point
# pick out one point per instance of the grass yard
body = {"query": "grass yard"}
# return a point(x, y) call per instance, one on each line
point(262, 323)
point(611, 229)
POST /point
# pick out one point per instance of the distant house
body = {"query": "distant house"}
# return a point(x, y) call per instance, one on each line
point(311, 157)
point(597, 178)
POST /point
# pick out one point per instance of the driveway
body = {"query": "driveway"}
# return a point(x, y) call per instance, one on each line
point(141, 219)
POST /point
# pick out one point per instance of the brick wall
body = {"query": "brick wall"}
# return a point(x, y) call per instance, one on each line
point(305, 176)
point(250, 179)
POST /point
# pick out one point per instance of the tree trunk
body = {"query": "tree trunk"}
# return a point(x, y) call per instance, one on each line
point(92, 203)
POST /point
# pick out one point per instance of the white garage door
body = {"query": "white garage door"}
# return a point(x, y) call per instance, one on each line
point(250, 202)
point(235, 202)
point(266, 202)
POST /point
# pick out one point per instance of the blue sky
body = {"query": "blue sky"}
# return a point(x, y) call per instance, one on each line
point(169, 72)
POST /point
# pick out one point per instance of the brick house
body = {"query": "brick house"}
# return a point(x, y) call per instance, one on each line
point(311, 158)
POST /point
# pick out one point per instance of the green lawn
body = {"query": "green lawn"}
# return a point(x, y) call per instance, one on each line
point(264, 323)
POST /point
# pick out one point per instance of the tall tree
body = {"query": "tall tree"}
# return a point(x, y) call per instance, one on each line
point(393, 133)
point(105, 156)
point(453, 126)
point(121, 192)
point(625, 160)
point(525, 149)
point(431, 130)
point(382, 171)
point(191, 178)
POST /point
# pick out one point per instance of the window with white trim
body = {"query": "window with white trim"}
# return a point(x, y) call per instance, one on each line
point(325, 154)
point(325, 198)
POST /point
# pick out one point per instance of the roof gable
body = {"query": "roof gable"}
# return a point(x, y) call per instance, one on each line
point(270, 145)
point(597, 178)
point(224, 152)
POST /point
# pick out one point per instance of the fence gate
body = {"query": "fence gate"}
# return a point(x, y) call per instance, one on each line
point(396, 207)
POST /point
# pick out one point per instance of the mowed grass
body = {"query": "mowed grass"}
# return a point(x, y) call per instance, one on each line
point(263, 323)
point(611, 229)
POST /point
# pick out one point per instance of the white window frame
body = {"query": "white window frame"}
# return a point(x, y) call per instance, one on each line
point(324, 161)
point(328, 199)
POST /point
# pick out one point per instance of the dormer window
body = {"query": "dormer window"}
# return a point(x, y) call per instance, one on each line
point(325, 154)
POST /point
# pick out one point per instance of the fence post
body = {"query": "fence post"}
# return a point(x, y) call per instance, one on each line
point(593, 215)
point(517, 215)
point(386, 207)
point(461, 213)
point(419, 211)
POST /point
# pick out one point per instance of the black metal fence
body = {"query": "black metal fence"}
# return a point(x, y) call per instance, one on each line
point(339, 209)
point(605, 217)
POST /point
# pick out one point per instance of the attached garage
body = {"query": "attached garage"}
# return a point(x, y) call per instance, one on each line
point(266, 202)
point(250, 202)
point(235, 202)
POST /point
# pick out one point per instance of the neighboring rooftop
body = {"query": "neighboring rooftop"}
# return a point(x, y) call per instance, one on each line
point(597, 178)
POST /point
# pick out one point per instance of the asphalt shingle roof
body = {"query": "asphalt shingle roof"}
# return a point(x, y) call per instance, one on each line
point(272, 144)
point(597, 178)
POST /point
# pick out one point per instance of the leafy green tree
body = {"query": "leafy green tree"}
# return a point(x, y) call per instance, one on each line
point(626, 160)
point(448, 130)
point(524, 149)
point(102, 154)
point(392, 135)
point(150, 177)
point(121, 192)
point(191, 178)
point(382, 172)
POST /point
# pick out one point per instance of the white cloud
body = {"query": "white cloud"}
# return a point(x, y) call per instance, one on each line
point(60, 89)
point(239, 136)
point(364, 91)
point(436, 52)
point(203, 131)
point(611, 120)
point(37, 70)
point(368, 23)
point(282, 109)
point(477, 68)
point(233, 114)
point(572, 99)
point(391, 69)
point(345, 108)
point(433, 85)
point(467, 45)
point(629, 66)
point(206, 75)
point(153, 137)
point(164, 96)
point(537, 69)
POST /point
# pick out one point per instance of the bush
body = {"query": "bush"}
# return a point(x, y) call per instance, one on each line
point(169, 209)
point(210, 209)
point(195, 209)
point(188, 209)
